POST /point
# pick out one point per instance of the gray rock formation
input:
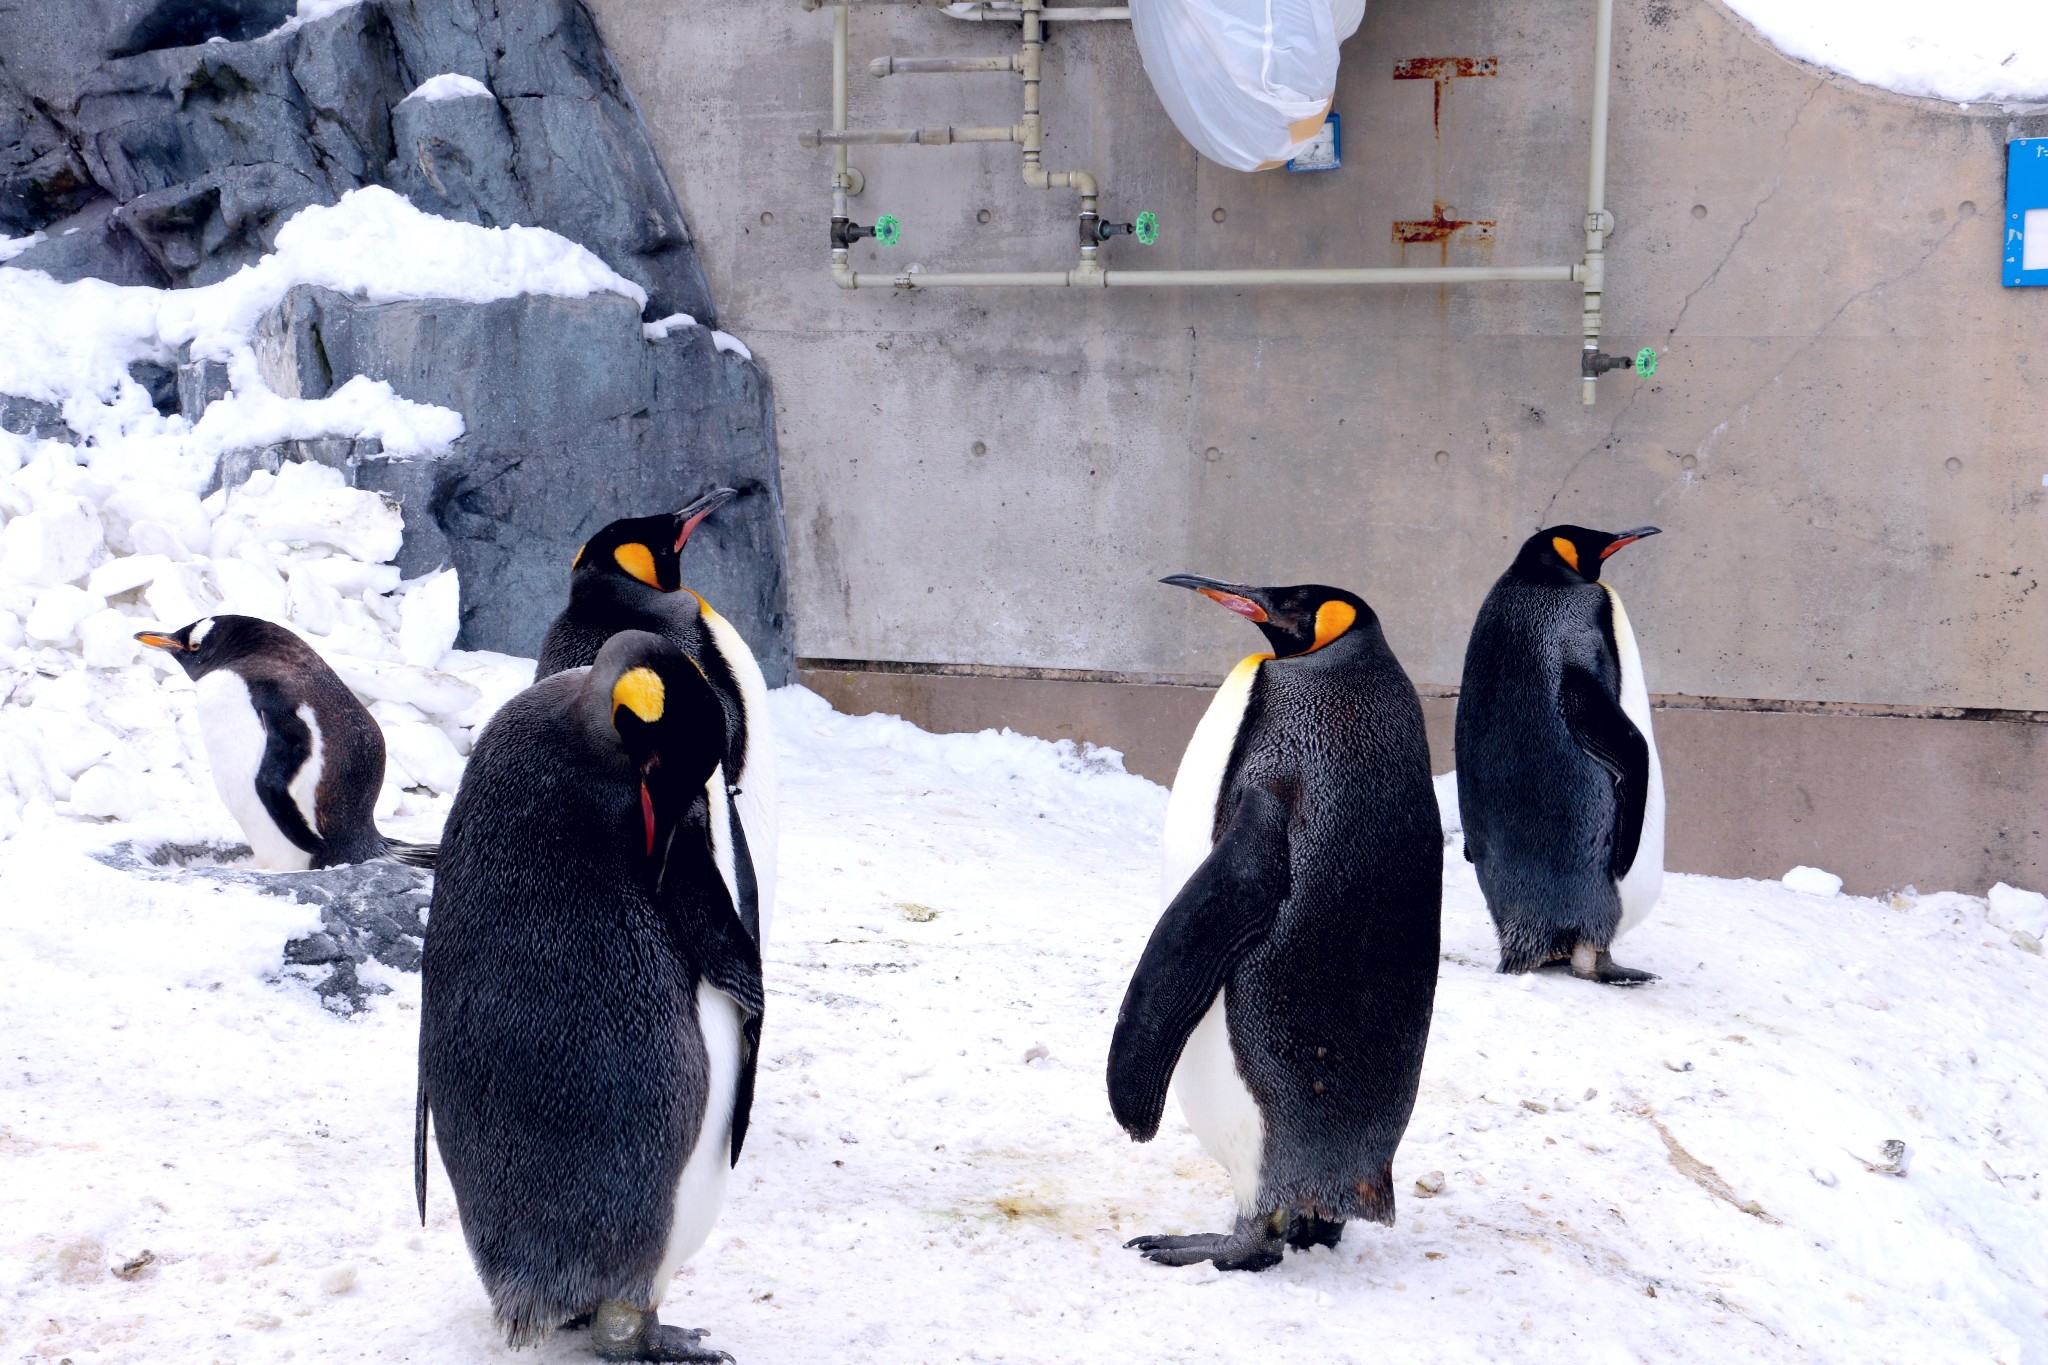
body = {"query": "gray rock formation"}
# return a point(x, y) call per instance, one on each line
point(190, 130)
point(164, 142)
point(368, 911)
point(578, 419)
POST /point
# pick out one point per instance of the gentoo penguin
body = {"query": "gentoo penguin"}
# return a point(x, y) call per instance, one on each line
point(1286, 990)
point(295, 757)
point(591, 1003)
point(1558, 779)
point(629, 577)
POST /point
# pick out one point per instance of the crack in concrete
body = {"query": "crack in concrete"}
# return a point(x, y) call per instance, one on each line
point(1743, 231)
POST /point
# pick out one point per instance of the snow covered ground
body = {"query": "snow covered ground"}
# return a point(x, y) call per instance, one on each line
point(1957, 50)
point(933, 1174)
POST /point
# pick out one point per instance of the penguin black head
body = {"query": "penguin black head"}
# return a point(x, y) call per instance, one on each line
point(212, 642)
point(649, 549)
point(654, 704)
point(1296, 620)
point(1566, 555)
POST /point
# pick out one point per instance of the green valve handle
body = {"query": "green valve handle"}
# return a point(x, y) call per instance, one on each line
point(889, 230)
point(1646, 362)
point(1146, 229)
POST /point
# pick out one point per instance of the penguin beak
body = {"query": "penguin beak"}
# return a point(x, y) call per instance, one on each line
point(1630, 538)
point(158, 641)
point(688, 519)
point(1232, 596)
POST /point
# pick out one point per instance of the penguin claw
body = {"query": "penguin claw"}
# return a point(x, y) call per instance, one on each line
point(1251, 1247)
point(681, 1343)
point(1605, 970)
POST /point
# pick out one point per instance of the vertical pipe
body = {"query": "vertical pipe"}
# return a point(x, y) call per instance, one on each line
point(840, 57)
point(1598, 221)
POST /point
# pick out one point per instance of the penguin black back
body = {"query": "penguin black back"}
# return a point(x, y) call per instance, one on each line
point(315, 765)
point(576, 912)
point(1554, 778)
point(1316, 913)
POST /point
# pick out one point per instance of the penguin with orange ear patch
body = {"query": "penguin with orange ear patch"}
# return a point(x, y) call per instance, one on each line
point(1285, 994)
point(1559, 783)
point(629, 577)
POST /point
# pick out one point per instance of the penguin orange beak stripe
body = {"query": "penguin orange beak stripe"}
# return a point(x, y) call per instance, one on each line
point(703, 507)
point(1230, 601)
point(1630, 538)
point(156, 641)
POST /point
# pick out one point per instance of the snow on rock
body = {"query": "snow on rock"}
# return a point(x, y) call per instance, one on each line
point(449, 86)
point(1963, 50)
point(726, 341)
point(659, 329)
point(1690, 1172)
point(10, 247)
point(1812, 881)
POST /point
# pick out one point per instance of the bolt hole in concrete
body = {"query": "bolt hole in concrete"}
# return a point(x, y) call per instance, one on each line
point(983, 216)
point(1212, 454)
point(1442, 457)
point(1952, 464)
point(1688, 462)
point(1967, 209)
point(980, 447)
point(1699, 210)
point(766, 219)
point(1219, 215)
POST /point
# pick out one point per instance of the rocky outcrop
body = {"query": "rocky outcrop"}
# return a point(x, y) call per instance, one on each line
point(578, 417)
point(177, 136)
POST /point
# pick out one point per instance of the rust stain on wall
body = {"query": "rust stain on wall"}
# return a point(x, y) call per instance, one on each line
point(1442, 71)
point(1439, 228)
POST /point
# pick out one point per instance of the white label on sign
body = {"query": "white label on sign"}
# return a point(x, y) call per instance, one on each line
point(2034, 256)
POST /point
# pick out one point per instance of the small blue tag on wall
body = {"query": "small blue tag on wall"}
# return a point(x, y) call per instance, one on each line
point(1324, 151)
point(2026, 211)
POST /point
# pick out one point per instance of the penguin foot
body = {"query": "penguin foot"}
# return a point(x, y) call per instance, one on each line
point(1254, 1245)
point(619, 1331)
point(1305, 1230)
point(1594, 964)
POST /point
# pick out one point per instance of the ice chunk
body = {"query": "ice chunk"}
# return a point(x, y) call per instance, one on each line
point(126, 573)
point(348, 577)
point(174, 509)
point(425, 754)
point(60, 542)
point(107, 640)
point(181, 595)
point(249, 589)
point(58, 611)
point(2018, 911)
point(437, 694)
point(160, 538)
point(361, 524)
point(104, 792)
point(429, 619)
point(1812, 881)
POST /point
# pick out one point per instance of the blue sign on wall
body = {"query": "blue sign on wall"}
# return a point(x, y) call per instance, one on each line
point(2026, 211)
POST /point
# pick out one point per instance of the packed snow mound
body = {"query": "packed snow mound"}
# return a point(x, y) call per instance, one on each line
point(449, 86)
point(1963, 50)
point(205, 1164)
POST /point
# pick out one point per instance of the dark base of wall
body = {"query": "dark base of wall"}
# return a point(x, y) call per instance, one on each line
point(1947, 803)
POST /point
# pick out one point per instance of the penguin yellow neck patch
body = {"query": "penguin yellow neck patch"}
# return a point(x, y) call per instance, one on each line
point(1332, 619)
point(638, 561)
point(1566, 551)
point(640, 691)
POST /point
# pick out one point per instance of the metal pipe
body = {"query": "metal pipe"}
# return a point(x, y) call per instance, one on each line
point(907, 137)
point(1010, 14)
point(919, 66)
point(1201, 279)
point(1599, 222)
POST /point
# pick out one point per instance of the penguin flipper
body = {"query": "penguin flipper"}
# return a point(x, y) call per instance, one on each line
point(1222, 912)
point(287, 744)
point(1611, 740)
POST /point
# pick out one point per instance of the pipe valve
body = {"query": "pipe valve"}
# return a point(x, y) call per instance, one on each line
point(1593, 364)
point(887, 231)
point(1094, 229)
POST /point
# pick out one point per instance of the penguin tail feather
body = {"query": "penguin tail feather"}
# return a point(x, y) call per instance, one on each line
point(412, 855)
point(1375, 1196)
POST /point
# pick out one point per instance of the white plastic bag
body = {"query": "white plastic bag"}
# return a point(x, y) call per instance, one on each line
point(1248, 82)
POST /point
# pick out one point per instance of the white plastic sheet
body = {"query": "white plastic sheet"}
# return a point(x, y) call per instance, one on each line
point(1248, 82)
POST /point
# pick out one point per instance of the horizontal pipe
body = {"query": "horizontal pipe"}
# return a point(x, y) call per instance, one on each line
point(1008, 14)
point(920, 66)
point(905, 137)
point(1187, 279)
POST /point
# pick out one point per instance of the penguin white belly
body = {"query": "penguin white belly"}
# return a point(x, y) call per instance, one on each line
point(1218, 1105)
point(722, 854)
point(1206, 1083)
point(1640, 886)
point(757, 799)
point(701, 1191)
point(235, 739)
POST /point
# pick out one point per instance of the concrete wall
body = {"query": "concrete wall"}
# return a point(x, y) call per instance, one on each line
point(1845, 442)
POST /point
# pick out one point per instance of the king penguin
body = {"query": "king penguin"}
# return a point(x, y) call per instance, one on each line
point(296, 758)
point(1559, 784)
point(1286, 990)
point(591, 1003)
point(629, 577)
